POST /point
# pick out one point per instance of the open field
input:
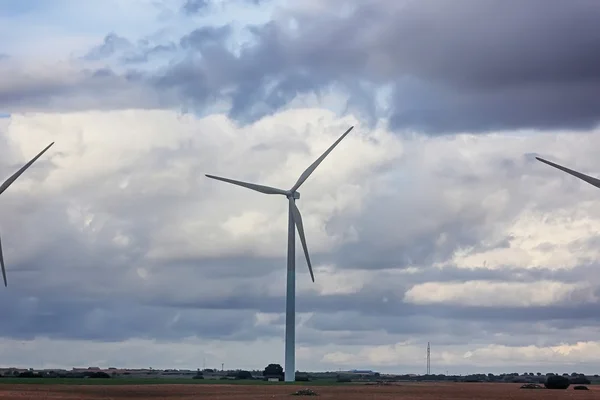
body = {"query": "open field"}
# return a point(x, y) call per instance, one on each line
point(142, 381)
point(408, 391)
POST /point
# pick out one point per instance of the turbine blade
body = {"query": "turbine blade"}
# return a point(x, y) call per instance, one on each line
point(2, 265)
point(587, 178)
point(14, 177)
point(298, 222)
point(258, 188)
point(314, 165)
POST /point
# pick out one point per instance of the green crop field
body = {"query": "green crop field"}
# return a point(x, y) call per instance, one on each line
point(153, 381)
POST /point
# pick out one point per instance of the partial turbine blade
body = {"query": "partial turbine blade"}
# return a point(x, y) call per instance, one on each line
point(14, 177)
point(300, 227)
point(587, 178)
point(258, 188)
point(2, 265)
point(314, 165)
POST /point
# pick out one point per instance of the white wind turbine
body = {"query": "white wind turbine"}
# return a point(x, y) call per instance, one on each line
point(294, 219)
point(587, 178)
point(5, 186)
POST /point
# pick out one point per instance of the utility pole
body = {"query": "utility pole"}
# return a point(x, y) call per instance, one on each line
point(428, 359)
point(222, 366)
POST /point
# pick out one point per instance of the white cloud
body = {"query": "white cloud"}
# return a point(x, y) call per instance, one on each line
point(330, 281)
point(577, 355)
point(129, 185)
point(497, 294)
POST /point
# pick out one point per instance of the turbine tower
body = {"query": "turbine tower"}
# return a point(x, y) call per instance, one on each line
point(428, 359)
point(5, 186)
point(587, 178)
point(294, 219)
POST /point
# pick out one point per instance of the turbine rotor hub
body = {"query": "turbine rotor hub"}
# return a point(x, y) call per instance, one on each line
point(294, 195)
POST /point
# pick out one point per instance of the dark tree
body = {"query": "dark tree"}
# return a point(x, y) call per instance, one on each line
point(580, 380)
point(98, 375)
point(273, 370)
point(29, 374)
point(300, 377)
point(243, 375)
point(557, 382)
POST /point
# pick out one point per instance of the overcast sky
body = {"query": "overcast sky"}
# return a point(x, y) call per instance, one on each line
point(431, 221)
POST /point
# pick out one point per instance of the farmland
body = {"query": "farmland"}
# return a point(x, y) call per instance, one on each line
point(208, 390)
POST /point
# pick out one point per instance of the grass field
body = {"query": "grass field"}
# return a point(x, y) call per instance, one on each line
point(155, 381)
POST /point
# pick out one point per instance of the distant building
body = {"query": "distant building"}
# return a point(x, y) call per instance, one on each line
point(361, 372)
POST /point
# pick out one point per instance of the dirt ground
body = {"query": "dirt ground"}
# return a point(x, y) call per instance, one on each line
point(408, 391)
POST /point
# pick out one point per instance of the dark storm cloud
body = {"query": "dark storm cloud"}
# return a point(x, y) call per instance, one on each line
point(116, 321)
point(451, 66)
point(447, 330)
point(88, 89)
point(376, 299)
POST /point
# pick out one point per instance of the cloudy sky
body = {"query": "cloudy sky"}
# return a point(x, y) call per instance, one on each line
point(431, 221)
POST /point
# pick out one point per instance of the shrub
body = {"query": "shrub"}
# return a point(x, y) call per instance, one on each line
point(29, 374)
point(98, 374)
point(302, 378)
point(557, 382)
point(343, 379)
point(243, 375)
point(581, 388)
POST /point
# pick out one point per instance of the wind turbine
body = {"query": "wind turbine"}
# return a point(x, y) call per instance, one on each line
point(5, 186)
point(587, 178)
point(294, 219)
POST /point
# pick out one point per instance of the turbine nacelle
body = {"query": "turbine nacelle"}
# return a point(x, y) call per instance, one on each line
point(291, 194)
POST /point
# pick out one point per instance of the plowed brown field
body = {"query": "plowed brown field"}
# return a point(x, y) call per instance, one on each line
point(408, 391)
